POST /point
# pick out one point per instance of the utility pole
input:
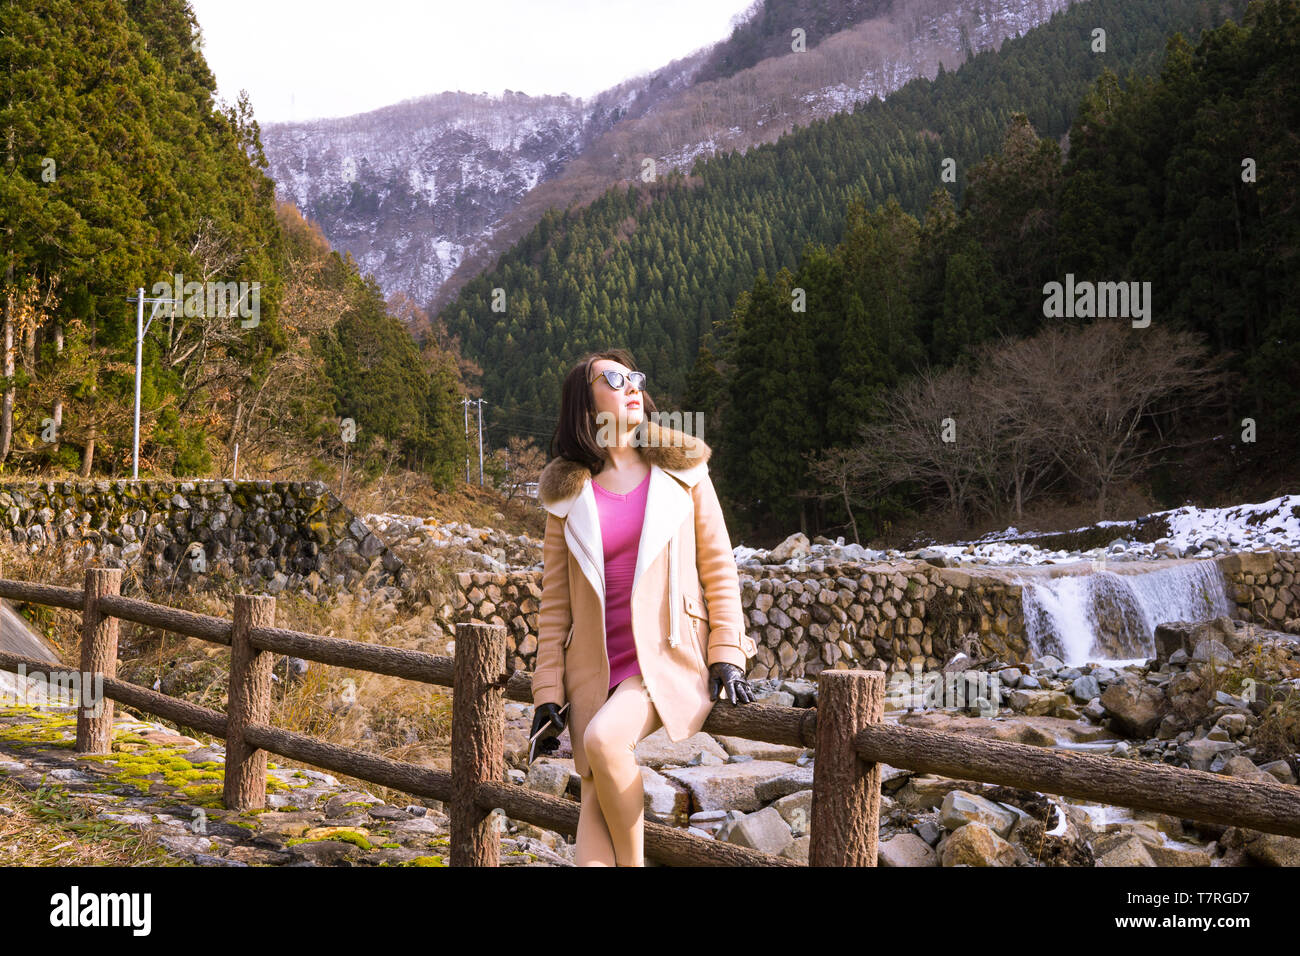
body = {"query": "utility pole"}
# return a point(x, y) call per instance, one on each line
point(480, 442)
point(141, 327)
point(466, 403)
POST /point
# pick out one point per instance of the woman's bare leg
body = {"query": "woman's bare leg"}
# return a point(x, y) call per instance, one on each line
point(609, 741)
point(593, 846)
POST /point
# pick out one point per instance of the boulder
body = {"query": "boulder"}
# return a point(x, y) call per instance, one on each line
point(1136, 708)
point(764, 830)
point(1127, 852)
point(733, 785)
point(657, 751)
point(906, 849)
point(977, 845)
point(961, 809)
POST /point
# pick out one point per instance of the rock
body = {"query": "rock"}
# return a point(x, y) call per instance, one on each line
point(706, 759)
point(1212, 650)
point(657, 751)
point(927, 791)
point(960, 809)
point(1239, 766)
point(928, 830)
point(906, 849)
point(977, 845)
point(1083, 689)
point(796, 779)
point(665, 801)
point(1273, 849)
point(796, 810)
point(1233, 724)
point(794, 546)
point(804, 692)
point(1135, 708)
point(1173, 856)
point(548, 776)
point(734, 784)
point(337, 806)
point(758, 749)
point(1280, 770)
point(797, 850)
point(707, 817)
point(1127, 852)
point(1200, 753)
point(764, 830)
point(1172, 636)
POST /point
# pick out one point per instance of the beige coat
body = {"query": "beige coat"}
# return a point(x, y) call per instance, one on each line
point(686, 611)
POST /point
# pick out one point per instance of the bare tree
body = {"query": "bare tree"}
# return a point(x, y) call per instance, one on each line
point(931, 431)
point(1110, 380)
point(520, 463)
point(844, 471)
point(1014, 379)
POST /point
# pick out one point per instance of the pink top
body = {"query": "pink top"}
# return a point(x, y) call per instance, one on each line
point(621, 518)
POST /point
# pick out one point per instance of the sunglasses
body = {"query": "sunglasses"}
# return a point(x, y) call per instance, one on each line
point(615, 379)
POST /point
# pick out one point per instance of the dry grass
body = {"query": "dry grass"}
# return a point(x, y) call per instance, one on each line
point(387, 716)
point(409, 493)
point(50, 827)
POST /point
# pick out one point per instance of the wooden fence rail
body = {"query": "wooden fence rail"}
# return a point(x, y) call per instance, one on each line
point(846, 729)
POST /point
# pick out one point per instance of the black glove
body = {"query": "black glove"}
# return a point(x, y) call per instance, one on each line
point(731, 677)
point(547, 715)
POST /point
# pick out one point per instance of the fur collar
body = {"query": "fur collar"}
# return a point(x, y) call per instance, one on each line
point(669, 448)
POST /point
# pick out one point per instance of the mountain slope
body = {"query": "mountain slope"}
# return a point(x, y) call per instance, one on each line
point(653, 267)
point(426, 193)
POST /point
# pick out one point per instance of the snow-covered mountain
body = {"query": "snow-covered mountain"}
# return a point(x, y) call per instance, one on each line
point(426, 192)
point(404, 188)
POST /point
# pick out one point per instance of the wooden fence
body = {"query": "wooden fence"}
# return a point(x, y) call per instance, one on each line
point(847, 730)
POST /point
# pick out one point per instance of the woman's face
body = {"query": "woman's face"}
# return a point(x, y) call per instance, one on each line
point(618, 410)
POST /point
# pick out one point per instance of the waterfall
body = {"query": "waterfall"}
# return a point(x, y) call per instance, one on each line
point(1109, 616)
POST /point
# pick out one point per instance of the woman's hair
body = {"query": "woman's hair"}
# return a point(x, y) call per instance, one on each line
point(575, 435)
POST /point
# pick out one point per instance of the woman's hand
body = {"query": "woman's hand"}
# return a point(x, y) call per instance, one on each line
point(732, 678)
point(548, 716)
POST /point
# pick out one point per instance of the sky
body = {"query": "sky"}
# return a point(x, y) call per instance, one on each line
point(304, 60)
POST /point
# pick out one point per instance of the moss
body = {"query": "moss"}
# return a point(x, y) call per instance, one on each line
point(346, 836)
point(423, 861)
point(44, 730)
point(390, 846)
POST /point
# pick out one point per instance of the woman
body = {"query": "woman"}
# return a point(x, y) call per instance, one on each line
point(640, 623)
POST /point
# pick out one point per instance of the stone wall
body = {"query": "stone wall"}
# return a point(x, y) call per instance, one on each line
point(883, 617)
point(269, 535)
point(1263, 586)
point(876, 616)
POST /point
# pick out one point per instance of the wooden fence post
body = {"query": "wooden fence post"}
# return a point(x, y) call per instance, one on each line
point(846, 788)
point(477, 740)
point(98, 656)
point(248, 702)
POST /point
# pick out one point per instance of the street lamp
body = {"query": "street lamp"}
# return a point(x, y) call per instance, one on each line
point(141, 327)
